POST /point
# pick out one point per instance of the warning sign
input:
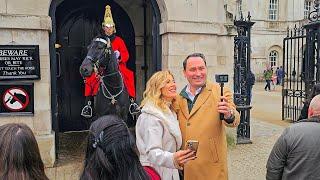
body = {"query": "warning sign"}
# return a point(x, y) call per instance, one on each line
point(19, 62)
point(16, 99)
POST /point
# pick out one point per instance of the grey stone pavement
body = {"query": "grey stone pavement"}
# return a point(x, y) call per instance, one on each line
point(246, 161)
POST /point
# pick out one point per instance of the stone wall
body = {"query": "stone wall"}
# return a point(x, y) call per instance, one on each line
point(268, 35)
point(200, 26)
point(27, 23)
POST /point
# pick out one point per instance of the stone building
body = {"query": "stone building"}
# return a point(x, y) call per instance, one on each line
point(159, 35)
point(272, 18)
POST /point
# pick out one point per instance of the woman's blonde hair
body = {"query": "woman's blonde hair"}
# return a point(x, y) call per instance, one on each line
point(153, 89)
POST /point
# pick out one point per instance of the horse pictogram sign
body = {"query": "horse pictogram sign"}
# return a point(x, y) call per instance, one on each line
point(15, 99)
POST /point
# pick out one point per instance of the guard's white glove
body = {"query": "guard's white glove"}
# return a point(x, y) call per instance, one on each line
point(117, 53)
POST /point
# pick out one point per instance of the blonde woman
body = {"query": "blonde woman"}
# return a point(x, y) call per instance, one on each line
point(158, 135)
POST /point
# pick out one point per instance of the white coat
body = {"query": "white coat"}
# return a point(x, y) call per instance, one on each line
point(158, 136)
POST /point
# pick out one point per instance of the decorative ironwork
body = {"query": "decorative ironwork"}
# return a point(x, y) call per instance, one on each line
point(242, 52)
point(312, 70)
point(301, 63)
point(295, 93)
point(293, 89)
point(315, 14)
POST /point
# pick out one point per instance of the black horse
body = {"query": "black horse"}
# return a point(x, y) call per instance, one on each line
point(112, 97)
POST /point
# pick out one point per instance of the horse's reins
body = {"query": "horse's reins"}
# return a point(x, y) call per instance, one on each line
point(111, 96)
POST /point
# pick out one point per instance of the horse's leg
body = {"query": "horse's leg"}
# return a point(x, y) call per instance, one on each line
point(131, 121)
point(100, 105)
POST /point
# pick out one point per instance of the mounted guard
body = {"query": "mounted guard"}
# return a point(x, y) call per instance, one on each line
point(92, 83)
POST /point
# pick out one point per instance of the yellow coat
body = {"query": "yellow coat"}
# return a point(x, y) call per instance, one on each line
point(203, 124)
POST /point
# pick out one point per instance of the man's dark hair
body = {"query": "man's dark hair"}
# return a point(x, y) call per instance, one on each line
point(194, 55)
point(20, 156)
point(111, 152)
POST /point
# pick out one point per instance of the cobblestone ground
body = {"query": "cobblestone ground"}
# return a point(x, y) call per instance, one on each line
point(248, 161)
point(71, 153)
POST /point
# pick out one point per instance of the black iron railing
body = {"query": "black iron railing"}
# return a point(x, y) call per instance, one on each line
point(242, 89)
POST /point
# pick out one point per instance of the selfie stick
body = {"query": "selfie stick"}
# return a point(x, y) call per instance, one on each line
point(221, 93)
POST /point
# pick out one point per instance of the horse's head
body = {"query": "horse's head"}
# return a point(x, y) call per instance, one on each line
point(98, 56)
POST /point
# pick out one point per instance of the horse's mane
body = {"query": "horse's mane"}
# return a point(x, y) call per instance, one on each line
point(98, 36)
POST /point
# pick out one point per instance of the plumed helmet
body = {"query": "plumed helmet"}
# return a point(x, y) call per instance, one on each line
point(108, 20)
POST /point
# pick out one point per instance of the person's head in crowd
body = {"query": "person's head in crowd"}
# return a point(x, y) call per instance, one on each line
point(160, 90)
point(314, 91)
point(195, 70)
point(19, 154)
point(111, 152)
point(314, 107)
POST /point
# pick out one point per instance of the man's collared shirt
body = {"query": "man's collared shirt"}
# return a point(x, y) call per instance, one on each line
point(191, 99)
point(190, 95)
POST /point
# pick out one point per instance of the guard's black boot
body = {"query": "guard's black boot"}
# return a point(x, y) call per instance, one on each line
point(87, 110)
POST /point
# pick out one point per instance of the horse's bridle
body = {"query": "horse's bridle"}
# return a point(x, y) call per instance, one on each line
point(96, 68)
point(106, 50)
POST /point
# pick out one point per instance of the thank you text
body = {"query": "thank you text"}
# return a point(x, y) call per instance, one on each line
point(19, 62)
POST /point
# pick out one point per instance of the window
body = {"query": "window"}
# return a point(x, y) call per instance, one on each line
point(307, 8)
point(273, 56)
point(273, 10)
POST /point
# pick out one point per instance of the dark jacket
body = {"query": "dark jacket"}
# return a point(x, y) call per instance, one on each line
point(251, 78)
point(304, 111)
point(296, 154)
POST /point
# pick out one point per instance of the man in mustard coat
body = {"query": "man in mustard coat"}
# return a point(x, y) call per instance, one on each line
point(198, 107)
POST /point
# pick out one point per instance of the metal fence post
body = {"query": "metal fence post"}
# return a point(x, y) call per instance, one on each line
point(242, 58)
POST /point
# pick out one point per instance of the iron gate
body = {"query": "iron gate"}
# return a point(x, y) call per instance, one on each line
point(301, 64)
point(293, 89)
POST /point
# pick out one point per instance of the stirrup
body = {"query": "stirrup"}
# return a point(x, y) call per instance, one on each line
point(134, 108)
point(87, 110)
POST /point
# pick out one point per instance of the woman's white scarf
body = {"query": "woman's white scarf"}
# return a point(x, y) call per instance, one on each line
point(168, 118)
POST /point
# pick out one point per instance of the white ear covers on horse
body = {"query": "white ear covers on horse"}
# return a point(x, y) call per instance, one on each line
point(117, 53)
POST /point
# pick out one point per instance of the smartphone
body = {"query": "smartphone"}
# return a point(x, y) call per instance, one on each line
point(193, 145)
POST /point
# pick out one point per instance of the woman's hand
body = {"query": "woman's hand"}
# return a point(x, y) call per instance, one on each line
point(183, 156)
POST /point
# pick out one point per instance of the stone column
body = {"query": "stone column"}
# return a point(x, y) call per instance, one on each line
point(22, 23)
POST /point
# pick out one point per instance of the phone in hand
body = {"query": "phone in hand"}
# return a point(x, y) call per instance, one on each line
point(192, 145)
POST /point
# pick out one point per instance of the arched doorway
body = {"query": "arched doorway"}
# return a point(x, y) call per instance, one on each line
point(75, 23)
